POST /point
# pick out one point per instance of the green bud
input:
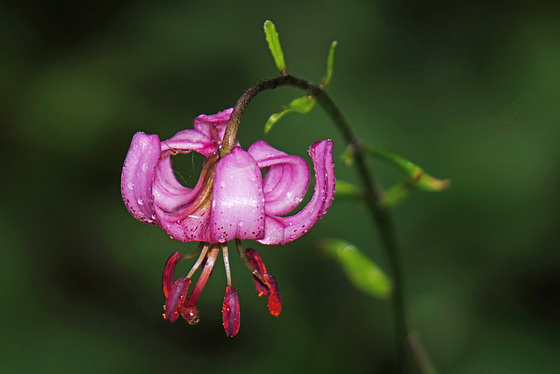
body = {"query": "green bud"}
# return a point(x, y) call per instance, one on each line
point(330, 65)
point(274, 45)
point(362, 272)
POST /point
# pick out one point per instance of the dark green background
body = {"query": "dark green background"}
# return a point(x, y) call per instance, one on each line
point(469, 90)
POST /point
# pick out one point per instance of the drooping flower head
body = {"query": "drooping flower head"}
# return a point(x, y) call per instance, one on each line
point(231, 201)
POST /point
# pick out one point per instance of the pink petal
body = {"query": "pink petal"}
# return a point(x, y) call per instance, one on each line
point(230, 312)
point(213, 126)
point(189, 140)
point(181, 211)
point(168, 193)
point(237, 199)
point(185, 225)
point(286, 180)
point(138, 175)
point(281, 230)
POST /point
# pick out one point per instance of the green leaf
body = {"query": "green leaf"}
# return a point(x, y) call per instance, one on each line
point(417, 175)
point(330, 65)
point(301, 105)
point(274, 45)
point(362, 272)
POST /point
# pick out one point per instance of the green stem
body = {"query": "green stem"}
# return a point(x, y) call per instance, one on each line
point(372, 196)
point(382, 220)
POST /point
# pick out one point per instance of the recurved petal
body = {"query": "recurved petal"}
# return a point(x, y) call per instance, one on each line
point(138, 174)
point(237, 199)
point(168, 193)
point(189, 140)
point(213, 126)
point(286, 180)
point(185, 225)
point(281, 230)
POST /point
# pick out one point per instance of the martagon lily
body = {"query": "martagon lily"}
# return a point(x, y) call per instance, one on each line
point(231, 201)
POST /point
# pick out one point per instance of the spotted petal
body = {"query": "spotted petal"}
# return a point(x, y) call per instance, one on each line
point(281, 230)
point(138, 175)
point(237, 199)
point(286, 180)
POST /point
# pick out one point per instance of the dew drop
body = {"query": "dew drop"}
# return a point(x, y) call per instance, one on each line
point(140, 201)
point(130, 186)
point(240, 223)
point(145, 167)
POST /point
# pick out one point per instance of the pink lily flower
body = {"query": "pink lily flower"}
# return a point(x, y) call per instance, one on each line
point(231, 201)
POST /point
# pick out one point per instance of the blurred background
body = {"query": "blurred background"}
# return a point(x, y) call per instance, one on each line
point(469, 91)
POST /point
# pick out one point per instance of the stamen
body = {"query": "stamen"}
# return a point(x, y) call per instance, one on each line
point(171, 264)
point(193, 253)
point(200, 258)
point(226, 263)
point(258, 264)
point(206, 271)
point(169, 271)
point(190, 314)
point(177, 294)
point(230, 312)
point(246, 261)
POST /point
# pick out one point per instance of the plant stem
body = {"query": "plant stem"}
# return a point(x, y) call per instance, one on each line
point(373, 195)
point(382, 221)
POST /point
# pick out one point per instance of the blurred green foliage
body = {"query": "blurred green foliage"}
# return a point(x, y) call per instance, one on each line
point(470, 91)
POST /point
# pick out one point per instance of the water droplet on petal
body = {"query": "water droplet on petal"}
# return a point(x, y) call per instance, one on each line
point(130, 186)
point(140, 201)
point(145, 167)
point(240, 223)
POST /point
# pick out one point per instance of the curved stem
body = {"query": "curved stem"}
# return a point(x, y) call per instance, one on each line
point(381, 218)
